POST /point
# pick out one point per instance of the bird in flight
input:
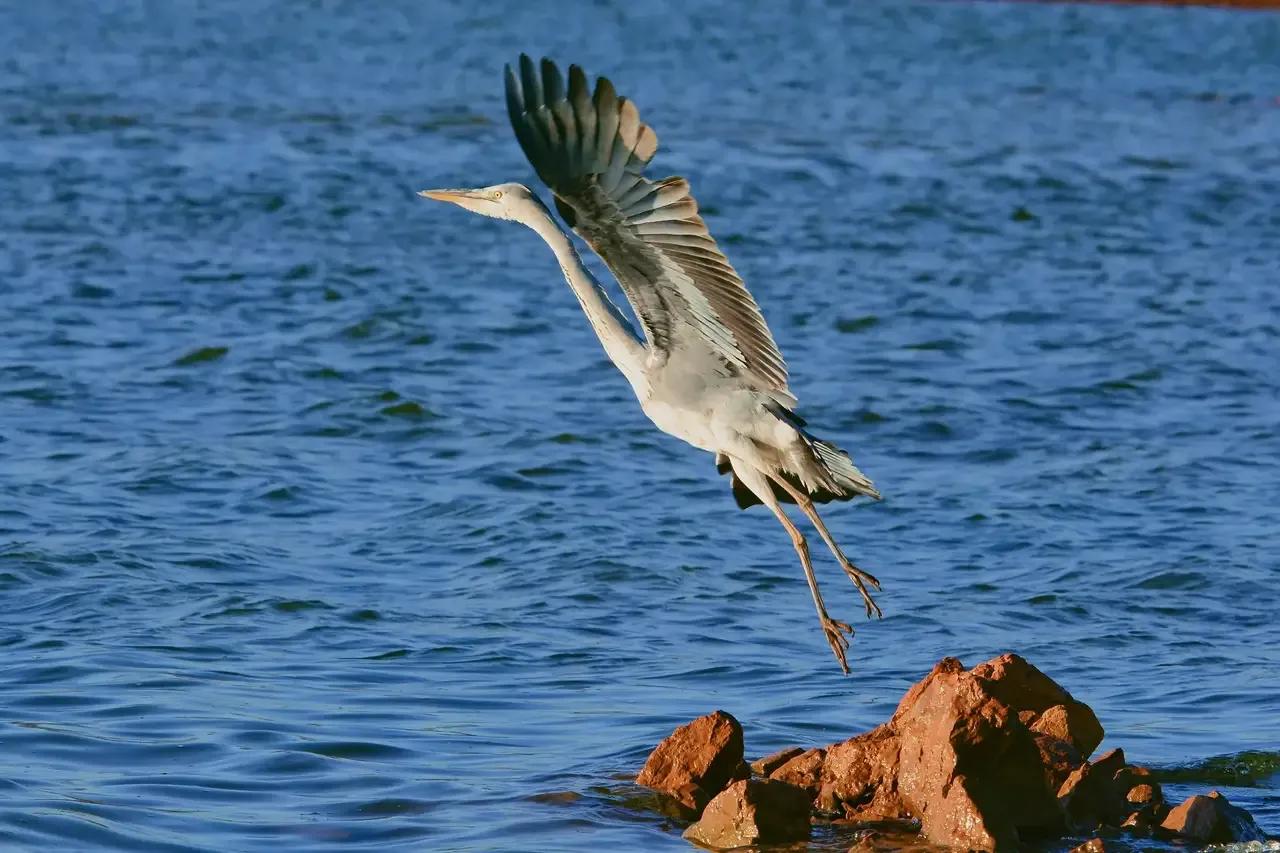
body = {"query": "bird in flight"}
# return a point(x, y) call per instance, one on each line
point(705, 368)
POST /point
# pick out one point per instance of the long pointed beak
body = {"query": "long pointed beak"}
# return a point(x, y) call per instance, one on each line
point(455, 196)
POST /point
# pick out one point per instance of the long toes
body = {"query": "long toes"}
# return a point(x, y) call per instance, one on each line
point(838, 634)
point(856, 574)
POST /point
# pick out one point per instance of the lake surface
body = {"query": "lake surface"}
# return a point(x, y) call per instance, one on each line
point(326, 524)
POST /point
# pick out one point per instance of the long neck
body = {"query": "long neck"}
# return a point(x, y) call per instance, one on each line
point(620, 342)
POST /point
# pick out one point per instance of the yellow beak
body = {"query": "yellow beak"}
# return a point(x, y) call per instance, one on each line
point(454, 196)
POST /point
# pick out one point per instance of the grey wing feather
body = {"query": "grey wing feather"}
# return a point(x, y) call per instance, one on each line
point(592, 150)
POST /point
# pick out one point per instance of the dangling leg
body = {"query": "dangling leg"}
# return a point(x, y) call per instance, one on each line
point(857, 575)
point(834, 630)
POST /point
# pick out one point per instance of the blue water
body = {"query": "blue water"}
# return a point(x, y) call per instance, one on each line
point(326, 524)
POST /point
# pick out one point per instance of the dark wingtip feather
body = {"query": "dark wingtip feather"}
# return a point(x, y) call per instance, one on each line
point(605, 93)
point(552, 82)
point(529, 82)
point(515, 98)
point(578, 88)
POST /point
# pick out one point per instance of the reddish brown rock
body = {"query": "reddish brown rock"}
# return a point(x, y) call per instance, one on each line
point(803, 770)
point(753, 811)
point(1138, 791)
point(981, 758)
point(859, 775)
point(1058, 758)
point(765, 766)
point(696, 761)
point(967, 767)
point(1074, 722)
point(1093, 845)
point(1020, 685)
point(1142, 794)
point(1213, 820)
point(1138, 823)
point(1088, 796)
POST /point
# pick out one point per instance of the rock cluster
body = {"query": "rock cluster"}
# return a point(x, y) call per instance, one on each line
point(979, 759)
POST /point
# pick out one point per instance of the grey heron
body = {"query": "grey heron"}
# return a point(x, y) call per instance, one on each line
point(706, 369)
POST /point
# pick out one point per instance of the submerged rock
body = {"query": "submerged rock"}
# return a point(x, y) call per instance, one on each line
point(753, 811)
point(697, 760)
point(1213, 820)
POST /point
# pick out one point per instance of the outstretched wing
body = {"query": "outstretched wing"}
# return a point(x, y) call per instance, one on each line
point(591, 149)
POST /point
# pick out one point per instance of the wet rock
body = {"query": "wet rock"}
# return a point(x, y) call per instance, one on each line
point(982, 759)
point(1058, 758)
point(967, 767)
point(1139, 795)
point(803, 770)
point(888, 837)
point(1142, 795)
point(753, 811)
point(1110, 762)
point(1088, 796)
point(696, 761)
point(859, 775)
point(1074, 722)
point(1138, 823)
point(765, 766)
point(1093, 845)
point(1213, 820)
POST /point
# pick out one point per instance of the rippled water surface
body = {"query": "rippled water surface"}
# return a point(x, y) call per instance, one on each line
point(325, 522)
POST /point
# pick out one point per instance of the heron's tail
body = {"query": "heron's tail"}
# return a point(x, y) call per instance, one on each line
point(844, 480)
point(842, 471)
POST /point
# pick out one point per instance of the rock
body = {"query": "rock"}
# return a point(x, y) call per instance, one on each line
point(1212, 820)
point(967, 767)
point(1110, 762)
point(765, 766)
point(1020, 685)
point(859, 775)
point(753, 811)
point(1074, 722)
point(983, 759)
point(803, 770)
point(888, 837)
point(1093, 845)
point(1143, 795)
point(1058, 758)
point(1138, 824)
point(1138, 793)
point(1088, 796)
point(696, 761)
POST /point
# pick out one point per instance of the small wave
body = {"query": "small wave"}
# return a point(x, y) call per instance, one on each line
point(1251, 769)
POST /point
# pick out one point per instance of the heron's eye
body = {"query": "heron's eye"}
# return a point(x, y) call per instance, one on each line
point(497, 194)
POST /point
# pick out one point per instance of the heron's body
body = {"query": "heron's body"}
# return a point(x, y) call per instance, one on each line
point(704, 365)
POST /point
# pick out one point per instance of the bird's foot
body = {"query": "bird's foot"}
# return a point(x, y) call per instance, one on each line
point(860, 580)
point(836, 632)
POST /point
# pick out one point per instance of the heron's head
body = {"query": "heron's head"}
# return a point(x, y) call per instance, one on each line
point(501, 201)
